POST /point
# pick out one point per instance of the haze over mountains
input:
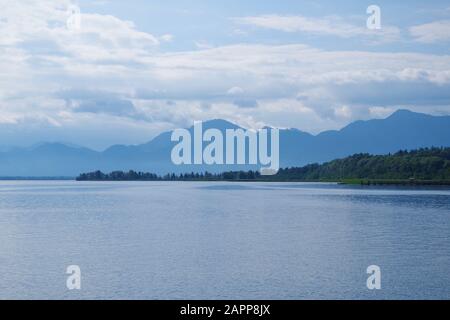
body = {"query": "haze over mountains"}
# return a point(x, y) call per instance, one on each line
point(402, 130)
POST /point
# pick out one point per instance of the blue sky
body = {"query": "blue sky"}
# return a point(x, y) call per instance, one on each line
point(212, 21)
point(132, 69)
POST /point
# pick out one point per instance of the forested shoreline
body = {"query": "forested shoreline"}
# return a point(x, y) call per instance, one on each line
point(428, 165)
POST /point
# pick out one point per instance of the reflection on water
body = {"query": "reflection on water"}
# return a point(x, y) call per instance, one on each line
point(161, 240)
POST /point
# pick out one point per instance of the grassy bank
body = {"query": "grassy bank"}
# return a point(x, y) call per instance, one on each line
point(395, 182)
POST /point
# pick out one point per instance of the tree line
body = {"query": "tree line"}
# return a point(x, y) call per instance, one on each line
point(144, 176)
point(421, 164)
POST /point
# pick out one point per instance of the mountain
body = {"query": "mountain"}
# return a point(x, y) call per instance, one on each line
point(403, 130)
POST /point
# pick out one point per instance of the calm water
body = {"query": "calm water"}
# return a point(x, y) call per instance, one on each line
point(222, 240)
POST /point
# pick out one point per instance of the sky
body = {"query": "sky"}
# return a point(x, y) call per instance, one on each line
point(121, 72)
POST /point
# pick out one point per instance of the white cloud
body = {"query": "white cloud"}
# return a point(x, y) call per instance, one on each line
point(167, 38)
point(332, 25)
point(27, 23)
point(203, 45)
point(436, 31)
point(234, 91)
point(48, 71)
point(380, 112)
point(343, 112)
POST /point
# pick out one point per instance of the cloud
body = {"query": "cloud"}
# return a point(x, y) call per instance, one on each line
point(113, 81)
point(97, 102)
point(331, 26)
point(234, 91)
point(108, 106)
point(203, 45)
point(246, 103)
point(167, 37)
point(437, 31)
point(98, 36)
point(343, 112)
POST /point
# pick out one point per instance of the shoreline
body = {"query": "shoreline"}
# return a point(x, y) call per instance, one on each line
point(348, 182)
point(394, 182)
point(37, 178)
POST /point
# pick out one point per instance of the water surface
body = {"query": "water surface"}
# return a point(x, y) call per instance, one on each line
point(164, 240)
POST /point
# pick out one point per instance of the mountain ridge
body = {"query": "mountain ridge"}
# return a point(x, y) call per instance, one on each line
point(402, 130)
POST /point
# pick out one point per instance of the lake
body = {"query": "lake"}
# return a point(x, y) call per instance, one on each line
point(202, 240)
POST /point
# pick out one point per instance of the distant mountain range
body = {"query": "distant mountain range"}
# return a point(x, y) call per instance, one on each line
point(403, 130)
